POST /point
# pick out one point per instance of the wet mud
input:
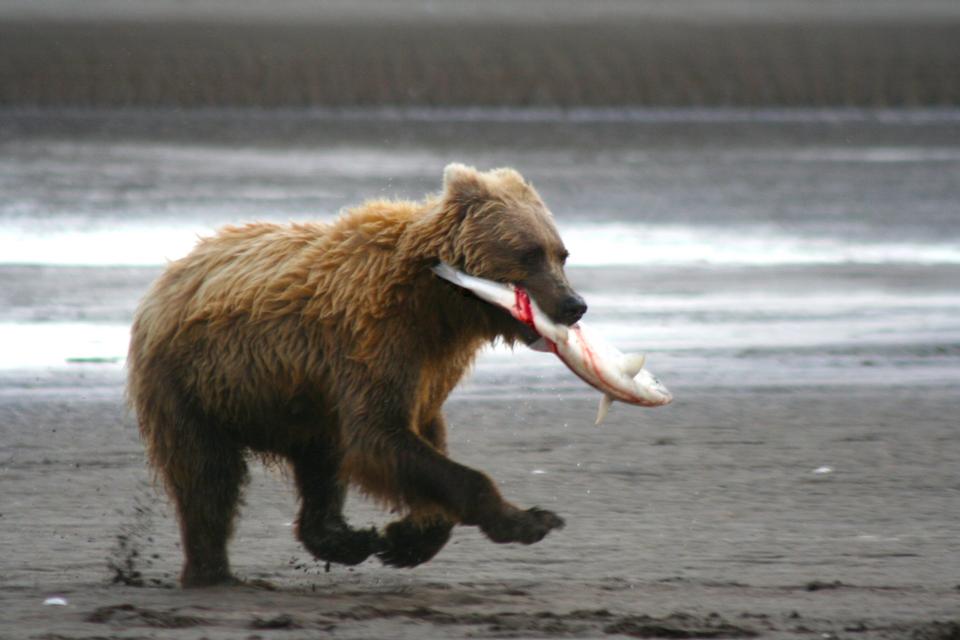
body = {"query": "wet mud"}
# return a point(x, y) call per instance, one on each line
point(105, 541)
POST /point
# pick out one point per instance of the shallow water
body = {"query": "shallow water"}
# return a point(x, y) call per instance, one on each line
point(736, 248)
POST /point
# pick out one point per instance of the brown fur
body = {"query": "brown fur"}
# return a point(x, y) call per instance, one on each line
point(334, 346)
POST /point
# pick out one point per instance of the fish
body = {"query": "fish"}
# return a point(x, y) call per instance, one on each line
point(618, 376)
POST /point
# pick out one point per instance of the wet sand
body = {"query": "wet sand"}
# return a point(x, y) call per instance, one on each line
point(704, 519)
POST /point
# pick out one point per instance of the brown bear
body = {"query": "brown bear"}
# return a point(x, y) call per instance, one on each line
point(333, 347)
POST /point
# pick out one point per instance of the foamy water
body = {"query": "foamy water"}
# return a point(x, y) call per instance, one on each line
point(720, 339)
point(118, 243)
point(38, 345)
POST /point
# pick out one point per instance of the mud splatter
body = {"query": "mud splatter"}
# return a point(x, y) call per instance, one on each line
point(128, 558)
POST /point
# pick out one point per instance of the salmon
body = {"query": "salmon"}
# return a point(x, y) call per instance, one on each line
point(618, 376)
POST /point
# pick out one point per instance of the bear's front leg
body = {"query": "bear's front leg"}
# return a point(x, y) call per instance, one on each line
point(517, 525)
point(410, 542)
point(321, 526)
point(425, 477)
point(413, 540)
point(383, 454)
point(472, 497)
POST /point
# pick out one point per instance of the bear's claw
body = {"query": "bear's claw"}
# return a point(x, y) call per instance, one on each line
point(526, 527)
point(409, 544)
point(345, 545)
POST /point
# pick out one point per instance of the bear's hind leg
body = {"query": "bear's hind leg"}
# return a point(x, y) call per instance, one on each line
point(321, 526)
point(206, 487)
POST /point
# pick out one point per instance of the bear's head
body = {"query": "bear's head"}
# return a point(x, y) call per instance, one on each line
point(504, 232)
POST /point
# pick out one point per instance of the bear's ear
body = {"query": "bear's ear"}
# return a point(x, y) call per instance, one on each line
point(510, 177)
point(462, 183)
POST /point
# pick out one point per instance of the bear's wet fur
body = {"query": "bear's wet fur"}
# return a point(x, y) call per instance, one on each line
point(333, 347)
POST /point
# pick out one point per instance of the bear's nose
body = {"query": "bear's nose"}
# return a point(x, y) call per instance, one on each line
point(572, 309)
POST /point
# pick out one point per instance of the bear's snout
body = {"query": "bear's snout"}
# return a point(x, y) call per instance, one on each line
point(571, 309)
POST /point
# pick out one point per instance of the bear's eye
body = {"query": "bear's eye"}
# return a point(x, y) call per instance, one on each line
point(532, 257)
point(563, 255)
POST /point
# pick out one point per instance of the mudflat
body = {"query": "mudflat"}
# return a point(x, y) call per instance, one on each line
point(774, 513)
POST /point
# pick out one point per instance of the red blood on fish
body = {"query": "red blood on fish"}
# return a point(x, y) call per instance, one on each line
point(590, 355)
point(522, 308)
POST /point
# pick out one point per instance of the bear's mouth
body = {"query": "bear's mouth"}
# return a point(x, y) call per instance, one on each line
point(528, 335)
point(522, 330)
